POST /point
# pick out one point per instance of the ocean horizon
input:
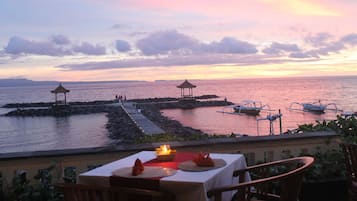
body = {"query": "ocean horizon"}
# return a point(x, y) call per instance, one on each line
point(21, 134)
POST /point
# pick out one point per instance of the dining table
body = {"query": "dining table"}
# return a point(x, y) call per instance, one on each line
point(185, 184)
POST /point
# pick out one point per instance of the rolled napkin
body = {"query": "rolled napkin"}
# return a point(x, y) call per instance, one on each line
point(203, 159)
point(138, 168)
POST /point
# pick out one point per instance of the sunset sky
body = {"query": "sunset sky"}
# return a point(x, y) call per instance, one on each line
point(93, 40)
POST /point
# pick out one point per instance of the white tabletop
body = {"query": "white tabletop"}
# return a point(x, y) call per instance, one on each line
point(185, 185)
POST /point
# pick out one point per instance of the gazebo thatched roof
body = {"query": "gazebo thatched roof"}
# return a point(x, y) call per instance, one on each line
point(60, 89)
point(186, 84)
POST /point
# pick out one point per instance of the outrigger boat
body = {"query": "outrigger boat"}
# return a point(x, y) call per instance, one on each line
point(316, 107)
point(249, 107)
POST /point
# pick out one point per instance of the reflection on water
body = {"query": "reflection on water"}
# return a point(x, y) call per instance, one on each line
point(211, 120)
point(45, 133)
point(278, 94)
point(20, 134)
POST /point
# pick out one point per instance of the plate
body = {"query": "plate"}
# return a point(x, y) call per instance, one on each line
point(149, 172)
point(192, 167)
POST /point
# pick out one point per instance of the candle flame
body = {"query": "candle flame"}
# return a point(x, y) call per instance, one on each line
point(164, 150)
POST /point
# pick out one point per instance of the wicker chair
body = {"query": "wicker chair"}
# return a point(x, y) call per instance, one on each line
point(81, 192)
point(278, 180)
point(350, 152)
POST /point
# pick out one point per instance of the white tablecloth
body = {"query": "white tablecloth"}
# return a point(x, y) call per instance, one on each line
point(185, 185)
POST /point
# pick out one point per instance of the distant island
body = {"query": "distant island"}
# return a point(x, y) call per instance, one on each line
point(14, 82)
point(23, 82)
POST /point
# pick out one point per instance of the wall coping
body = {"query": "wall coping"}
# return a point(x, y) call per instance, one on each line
point(175, 144)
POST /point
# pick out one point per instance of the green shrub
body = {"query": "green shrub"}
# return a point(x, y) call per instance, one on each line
point(21, 189)
point(328, 165)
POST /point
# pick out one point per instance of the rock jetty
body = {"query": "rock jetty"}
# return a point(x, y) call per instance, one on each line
point(50, 104)
point(60, 110)
point(120, 127)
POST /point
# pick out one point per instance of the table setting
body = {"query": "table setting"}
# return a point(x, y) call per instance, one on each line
point(189, 175)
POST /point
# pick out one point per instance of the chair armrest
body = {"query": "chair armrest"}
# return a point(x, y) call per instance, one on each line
point(241, 187)
point(263, 165)
point(290, 180)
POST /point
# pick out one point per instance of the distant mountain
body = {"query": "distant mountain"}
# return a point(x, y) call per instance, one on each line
point(24, 82)
point(27, 82)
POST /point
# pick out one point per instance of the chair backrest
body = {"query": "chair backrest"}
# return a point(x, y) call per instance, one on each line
point(287, 173)
point(81, 192)
point(350, 152)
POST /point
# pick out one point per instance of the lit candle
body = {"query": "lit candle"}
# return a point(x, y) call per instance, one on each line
point(165, 153)
point(164, 150)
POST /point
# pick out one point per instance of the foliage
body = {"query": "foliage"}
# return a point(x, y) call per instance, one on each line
point(330, 164)
point(347, 127)
point(42, 189)
point(327, 165)
point(344, 125)
point(319, 126)
point(70, 175)
point(168, 137)
point(21, 189)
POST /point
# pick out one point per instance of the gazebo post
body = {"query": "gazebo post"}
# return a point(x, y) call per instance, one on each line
point(65, 98)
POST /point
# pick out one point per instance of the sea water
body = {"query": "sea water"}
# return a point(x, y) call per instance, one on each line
point(21, 134)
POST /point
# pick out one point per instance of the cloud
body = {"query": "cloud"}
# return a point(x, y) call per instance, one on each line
point(318, 40)
point(164, 42)
point(334, 47)
point(56, 45)
point(137, 33)
point(300, 55)
point(278, 48)
point(350, 39)
point(122, 46)
point(176, 60)
point(173, 42)
point(89, 49)
point(325, 46)
point(120, 26)
point(229, 45)
point(116, 26)
point(18, 46)
point(60, 40)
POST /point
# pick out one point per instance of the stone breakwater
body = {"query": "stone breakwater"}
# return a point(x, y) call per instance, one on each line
point(50, 104)
point(152, 112)
point(168, 99)
point(120, 127)
point(61, 110)
point(190, 104)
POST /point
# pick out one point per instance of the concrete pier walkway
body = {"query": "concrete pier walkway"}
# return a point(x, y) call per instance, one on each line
point(143, 123)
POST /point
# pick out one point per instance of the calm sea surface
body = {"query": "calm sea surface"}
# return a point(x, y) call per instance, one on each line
point(19, 134)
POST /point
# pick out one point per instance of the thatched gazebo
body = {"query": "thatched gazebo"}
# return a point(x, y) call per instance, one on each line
point(59, 90)
point(186, 85)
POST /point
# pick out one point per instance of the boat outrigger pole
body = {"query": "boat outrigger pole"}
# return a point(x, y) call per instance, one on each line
point(271, 119)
